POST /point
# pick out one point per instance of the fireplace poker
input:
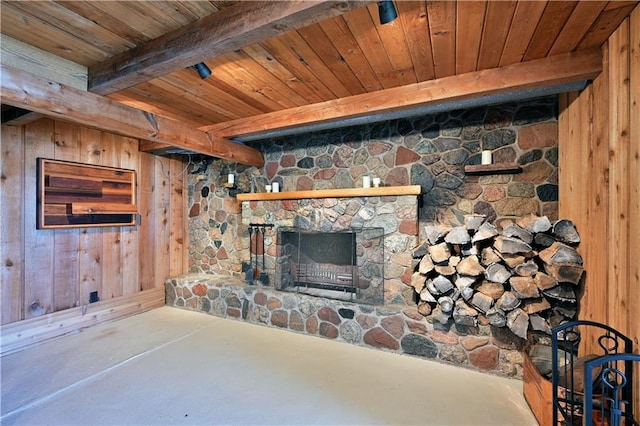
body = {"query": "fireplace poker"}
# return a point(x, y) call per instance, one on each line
point(249, 272)
point(256, 270)
point(264, 277)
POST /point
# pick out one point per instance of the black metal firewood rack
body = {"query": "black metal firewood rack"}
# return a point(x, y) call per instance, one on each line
point(592, 386)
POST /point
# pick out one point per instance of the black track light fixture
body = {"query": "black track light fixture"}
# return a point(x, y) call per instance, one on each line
point(386, 11)
point(203, 70)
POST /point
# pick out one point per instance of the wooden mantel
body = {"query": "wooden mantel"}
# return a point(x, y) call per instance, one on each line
point(332, 193)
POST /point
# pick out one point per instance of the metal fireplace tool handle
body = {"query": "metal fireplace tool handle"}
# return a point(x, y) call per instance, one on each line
point(249, 271)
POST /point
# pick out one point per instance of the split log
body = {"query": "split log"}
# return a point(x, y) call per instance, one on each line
point(560, 253)
point(543, 240)
point(524, 287)
point(446, 304)
point(566, 310)
point(439, 316)
point(533, 306)
point(482, 302)
point(440, 252)
point(565, 272)
point(435, 233)
point(496, 317)
point(424, 308)
point(544, 281)
point(510, 245)
point(564, 230)
point(467, 293)
point(563, 292)
point(508, 301)
point(534, 224)
point(458, 235)
point(539, 324)
point(464, 314)
point(489, 256)
point(473, 221)
point(526, 269)
point(514, 230)
point(470, 266)
point(418, 281)
point(442, 284)
point(464, 282)
point(493, 290)
point(485, 232)
point(497, 273)
point(426, 265)
point(446, 270)
point(512, 260)
point(454, 261)
point(518, 322)
point(426, 296)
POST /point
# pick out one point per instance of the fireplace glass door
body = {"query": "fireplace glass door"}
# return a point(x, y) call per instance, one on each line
point(343, 265)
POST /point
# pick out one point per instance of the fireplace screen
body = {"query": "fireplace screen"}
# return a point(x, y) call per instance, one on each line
point(344, 265)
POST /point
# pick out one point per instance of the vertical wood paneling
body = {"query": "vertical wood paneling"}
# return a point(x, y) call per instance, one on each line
point(177, 249)
point(611, 240)
point(111, 248)
point(11, 228)
point(633, 318)
point(128, 149)
point(619, 175)
point(162, 220)
point(38, 244)
point(46, 271)
point(66, 280)
point(146, 240)
point(597, 227)
point(90, 243)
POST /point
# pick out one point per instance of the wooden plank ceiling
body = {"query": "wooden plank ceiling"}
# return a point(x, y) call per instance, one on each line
point(337, 50)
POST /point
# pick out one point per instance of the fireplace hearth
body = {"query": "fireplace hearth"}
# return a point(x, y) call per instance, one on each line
point(343, 265)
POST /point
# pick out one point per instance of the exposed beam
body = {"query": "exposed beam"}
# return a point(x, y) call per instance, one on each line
point(221, 32)
point(536, 74)
point(23, 90)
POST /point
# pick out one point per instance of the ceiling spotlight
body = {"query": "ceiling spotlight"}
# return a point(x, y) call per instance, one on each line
point(386, 11)
point(203, 70)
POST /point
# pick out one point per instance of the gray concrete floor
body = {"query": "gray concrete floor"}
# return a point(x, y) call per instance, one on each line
point(170, 366)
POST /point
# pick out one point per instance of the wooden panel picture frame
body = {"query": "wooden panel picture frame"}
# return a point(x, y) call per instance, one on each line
point(76, 195)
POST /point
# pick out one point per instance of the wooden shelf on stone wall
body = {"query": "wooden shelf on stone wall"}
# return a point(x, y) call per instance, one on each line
point(492, 169)
point(332, 193)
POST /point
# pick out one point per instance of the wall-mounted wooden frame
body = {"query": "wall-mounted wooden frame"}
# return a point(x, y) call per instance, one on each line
point(75, 195)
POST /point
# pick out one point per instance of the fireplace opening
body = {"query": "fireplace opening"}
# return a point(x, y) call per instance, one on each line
point(343, 265)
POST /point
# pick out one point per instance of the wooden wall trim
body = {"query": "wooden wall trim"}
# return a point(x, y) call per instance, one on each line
point(23, 334)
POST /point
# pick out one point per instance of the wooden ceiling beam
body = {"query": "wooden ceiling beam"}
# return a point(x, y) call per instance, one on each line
point(23, 90)
point(230, 29)
point(547, 72)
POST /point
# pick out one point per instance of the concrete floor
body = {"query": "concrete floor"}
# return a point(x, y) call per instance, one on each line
point(170, 366)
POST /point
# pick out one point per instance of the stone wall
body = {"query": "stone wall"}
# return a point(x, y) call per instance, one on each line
point(430, 151)
point(388, 328)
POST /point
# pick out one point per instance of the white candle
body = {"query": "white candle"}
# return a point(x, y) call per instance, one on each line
point(366, 182)
point(275, 187)
point(376, 182)
point(231, 178)
point(486, 157)
point(267, 188)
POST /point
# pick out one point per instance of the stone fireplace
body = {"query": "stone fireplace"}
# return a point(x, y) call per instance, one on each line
point(429, 151)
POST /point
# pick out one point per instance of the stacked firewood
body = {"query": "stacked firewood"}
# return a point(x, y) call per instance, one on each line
point(523, 274)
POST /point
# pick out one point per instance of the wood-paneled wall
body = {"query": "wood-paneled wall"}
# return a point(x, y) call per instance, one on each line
point(50, 271)
point(599, 175)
